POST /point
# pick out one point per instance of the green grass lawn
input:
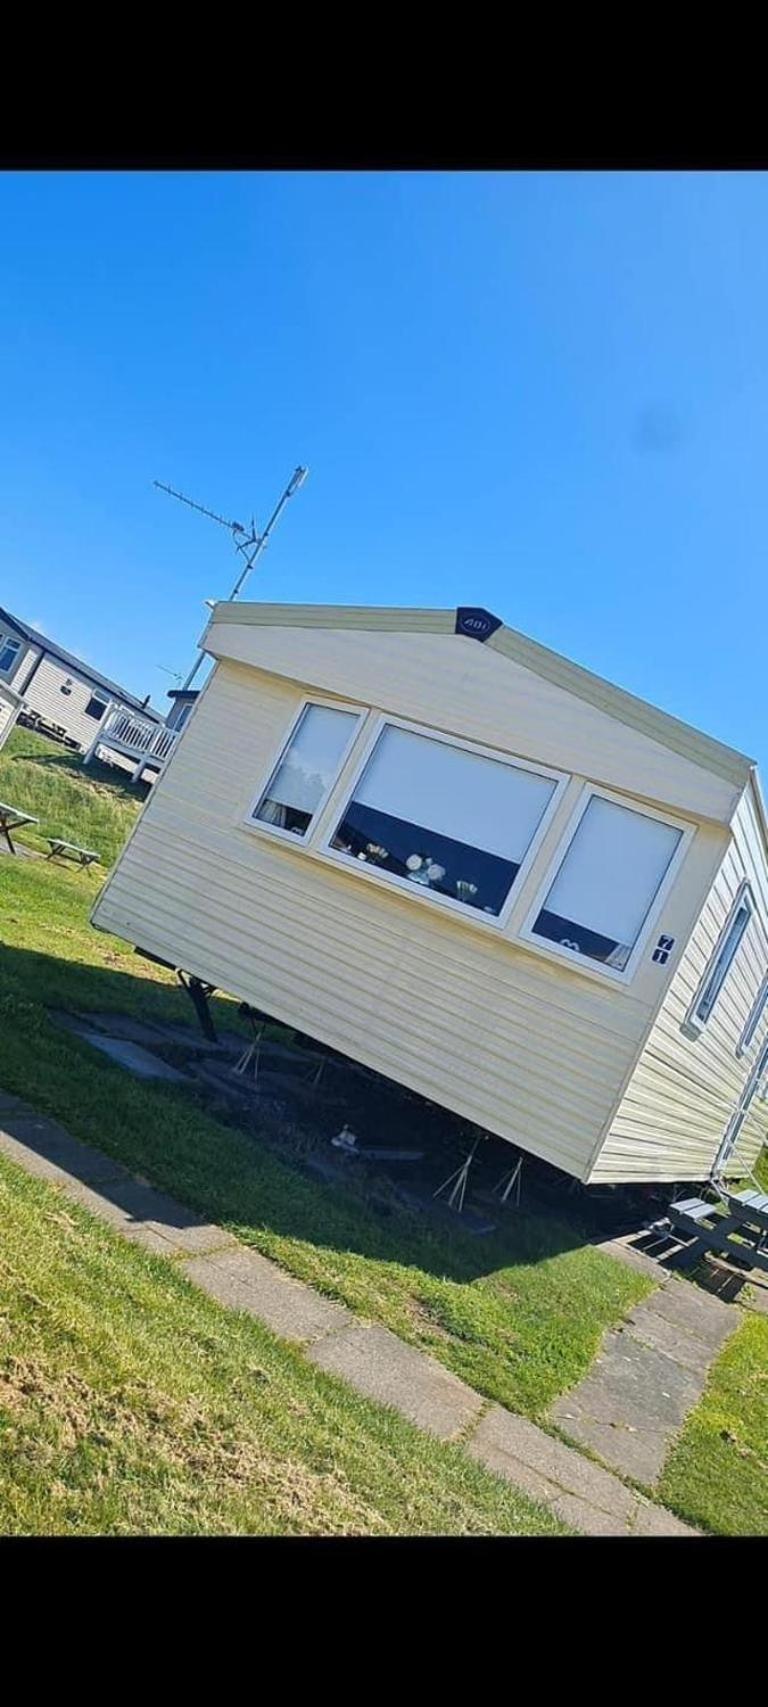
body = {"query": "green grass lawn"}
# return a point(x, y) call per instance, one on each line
point(132, 1404)
point(519, 1315)
point(95, 807)
point(717, 1475)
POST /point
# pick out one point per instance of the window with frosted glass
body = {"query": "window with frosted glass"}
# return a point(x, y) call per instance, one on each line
point(306, 770)
point(442, 819)
point(606, 884)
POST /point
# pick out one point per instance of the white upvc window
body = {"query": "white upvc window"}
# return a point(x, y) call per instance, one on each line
point(607, 884)
point(10, 648)
point(753, 1018)
point(306, 770)
point(707, 995)
point(443, 818)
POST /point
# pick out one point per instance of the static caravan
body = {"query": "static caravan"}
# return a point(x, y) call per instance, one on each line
point(468, 863)
point(60, 692)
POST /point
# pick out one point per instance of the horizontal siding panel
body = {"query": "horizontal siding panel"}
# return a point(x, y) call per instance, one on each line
point(45, 696)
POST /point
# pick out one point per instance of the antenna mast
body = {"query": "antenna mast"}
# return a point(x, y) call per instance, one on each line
point(248, 541)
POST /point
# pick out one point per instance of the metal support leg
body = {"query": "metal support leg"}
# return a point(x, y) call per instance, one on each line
point(199, 993)
point(458, 1180)
point(509, 1182)
point(251, 1055)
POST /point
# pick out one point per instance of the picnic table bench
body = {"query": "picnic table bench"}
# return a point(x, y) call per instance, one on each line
point(12, 818)
point(70, 850)
point(740, 1234)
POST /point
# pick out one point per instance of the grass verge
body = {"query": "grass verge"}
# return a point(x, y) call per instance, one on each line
point(132, 1404)
point(717, 1475)
point(95, 807)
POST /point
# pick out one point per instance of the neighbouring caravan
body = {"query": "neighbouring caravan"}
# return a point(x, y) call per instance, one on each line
point(61, 694)
point(460, 859)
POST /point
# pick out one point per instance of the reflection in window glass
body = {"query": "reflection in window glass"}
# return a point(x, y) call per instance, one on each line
point(443, 819)
point(604, 888)
point(307, 769)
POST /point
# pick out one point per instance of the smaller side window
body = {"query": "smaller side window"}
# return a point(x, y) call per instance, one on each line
point(9, 652)
point(724, 956)
point(606, 882)
point(753, 1018)
point(307, 770)
point(96, 707)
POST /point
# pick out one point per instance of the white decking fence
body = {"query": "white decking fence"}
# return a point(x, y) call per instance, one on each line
point(150, 744)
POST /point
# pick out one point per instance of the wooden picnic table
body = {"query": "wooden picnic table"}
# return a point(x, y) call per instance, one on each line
point(12, 818)
point(740, 1235)
point(71, 850)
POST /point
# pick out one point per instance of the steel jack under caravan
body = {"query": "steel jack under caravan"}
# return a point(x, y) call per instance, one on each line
point(451, 854)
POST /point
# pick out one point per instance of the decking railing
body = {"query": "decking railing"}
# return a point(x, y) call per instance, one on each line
point(136, 737)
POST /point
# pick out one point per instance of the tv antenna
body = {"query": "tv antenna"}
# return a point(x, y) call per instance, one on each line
point(249, 542)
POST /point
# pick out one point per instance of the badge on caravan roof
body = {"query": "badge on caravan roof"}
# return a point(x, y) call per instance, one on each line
point(476, 623)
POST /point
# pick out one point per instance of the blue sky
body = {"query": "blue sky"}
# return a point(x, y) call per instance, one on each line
point(545, 393)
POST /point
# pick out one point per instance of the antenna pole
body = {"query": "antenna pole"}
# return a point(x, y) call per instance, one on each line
point(250, 545)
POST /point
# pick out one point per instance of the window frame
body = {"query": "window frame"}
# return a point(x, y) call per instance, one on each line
point(260, 825)
point(10, 640)
point(95, 699)
point(583, 962)
point(755, 1015)
point(692, 1025)
point(337, 805)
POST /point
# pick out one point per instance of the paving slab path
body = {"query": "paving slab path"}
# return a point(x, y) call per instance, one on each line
point(588, 1497)
point(648, 1375)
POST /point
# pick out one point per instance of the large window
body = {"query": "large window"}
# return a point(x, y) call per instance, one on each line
point(442, 818)
point(299, 784)
point(606, 883)
point(96, 707)
point(722, 961)
point(9, 652)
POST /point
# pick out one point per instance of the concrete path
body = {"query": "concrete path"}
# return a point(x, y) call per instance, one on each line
point(649, 1374)
point(370, 1358)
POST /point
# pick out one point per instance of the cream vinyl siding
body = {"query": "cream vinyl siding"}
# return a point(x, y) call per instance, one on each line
point(681, 1096)
point(530, 1049)
point(46, 698)
point(458, 685)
